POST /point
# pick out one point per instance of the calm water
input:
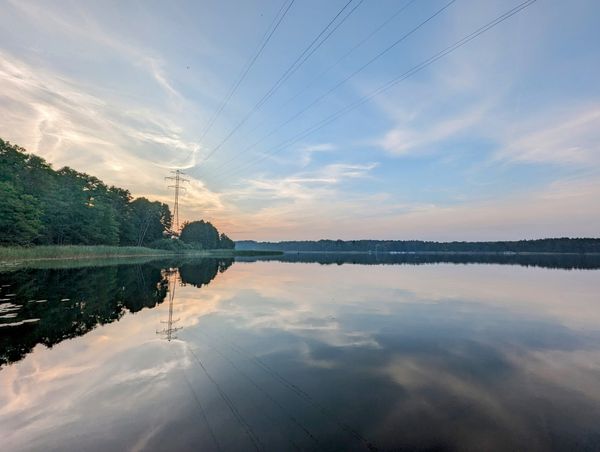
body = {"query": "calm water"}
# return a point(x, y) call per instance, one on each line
point(366, 353)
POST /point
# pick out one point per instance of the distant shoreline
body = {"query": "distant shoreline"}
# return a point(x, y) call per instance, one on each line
point(567, 261)
point(557, 245)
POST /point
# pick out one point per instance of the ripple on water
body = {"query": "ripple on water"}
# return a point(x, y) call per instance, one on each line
point(19, 323)
point(8, 307)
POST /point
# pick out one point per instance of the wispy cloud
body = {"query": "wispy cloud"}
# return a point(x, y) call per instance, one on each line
point(303, 185)
point(77, 25)
point(156, 68)
point(306, 152)
point(416, 138)
point(54, 117)
point(562, 139)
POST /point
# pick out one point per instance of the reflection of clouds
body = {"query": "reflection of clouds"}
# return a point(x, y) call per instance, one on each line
point(577, 370)
point(147, 373)
point(423, 357)
point(463, 381)
point(299, 299)
point(569, 297)
point(474, 353)
point(81, 383)
point(192, 304)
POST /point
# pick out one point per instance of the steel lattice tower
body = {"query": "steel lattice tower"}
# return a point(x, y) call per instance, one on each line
point(178, 179)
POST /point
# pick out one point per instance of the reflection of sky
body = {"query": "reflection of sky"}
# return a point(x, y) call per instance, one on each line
point(311, 356)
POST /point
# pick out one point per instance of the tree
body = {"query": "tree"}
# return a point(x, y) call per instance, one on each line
point(200, 234)
point(149, 221)
point(43, 206)
point(120, 200)
point(19, 216)
point(226, 243)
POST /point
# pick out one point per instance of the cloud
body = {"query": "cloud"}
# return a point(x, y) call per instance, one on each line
point(415, 139)
point(303, 185)
point(565, 208)
point(158, 72)
point(54, 117)
point(74, 23)
point(310, 210)
point(571, 138)
point(306, 152)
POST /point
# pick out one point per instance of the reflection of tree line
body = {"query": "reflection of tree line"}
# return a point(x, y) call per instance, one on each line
point(79, 299)
point(202, 272)
point(562, 261)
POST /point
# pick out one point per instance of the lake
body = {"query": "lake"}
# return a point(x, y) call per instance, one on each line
point(303, 352)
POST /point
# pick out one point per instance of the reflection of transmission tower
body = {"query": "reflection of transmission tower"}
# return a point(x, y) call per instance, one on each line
point(169, 330)
point(178, 180)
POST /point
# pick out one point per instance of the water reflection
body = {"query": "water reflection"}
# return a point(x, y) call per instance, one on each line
point(563, 261)
point(47, 306)
point(278, 356)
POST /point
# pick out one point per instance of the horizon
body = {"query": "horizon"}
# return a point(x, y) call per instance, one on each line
point(497, 141)
point(418, 240)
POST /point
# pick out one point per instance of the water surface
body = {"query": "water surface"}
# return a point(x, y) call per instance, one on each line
point(368, 353)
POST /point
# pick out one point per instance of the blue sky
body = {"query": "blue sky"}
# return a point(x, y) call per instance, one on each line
point(498, 140)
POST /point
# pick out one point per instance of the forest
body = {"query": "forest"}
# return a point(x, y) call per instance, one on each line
point(551, 245)
point(43, 206)
point(565, 261)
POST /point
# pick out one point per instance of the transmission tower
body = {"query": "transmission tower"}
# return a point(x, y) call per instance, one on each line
point(178, 179)
point(169, 331)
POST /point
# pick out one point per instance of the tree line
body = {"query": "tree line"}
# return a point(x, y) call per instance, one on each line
point(43, 206)
point(551, 245)
point(564, 261)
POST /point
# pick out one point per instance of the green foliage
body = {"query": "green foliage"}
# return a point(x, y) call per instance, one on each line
point(174, 245)
point(149, 221)
point(71, 251)
point(19, 216)
point(41, 206)
point(226, 243)
point(201, 234)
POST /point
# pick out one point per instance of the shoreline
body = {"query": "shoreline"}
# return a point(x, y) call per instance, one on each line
point(16, 255)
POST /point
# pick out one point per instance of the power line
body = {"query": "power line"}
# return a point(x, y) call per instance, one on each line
point(267, 394)
point(177, 186)
point(306, 53)
point(327, 36)
point(341, 112)
point(266, 38)
point(234, 410)
point(346, 79)
point(286, 75)
point(257, 406)
point(343, 57)
point(326, 412)
point(203, 413)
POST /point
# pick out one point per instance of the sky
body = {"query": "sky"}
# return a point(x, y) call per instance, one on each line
point(498, 140)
